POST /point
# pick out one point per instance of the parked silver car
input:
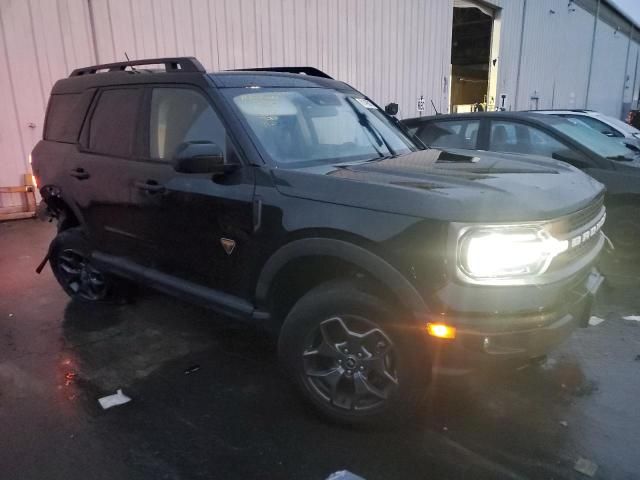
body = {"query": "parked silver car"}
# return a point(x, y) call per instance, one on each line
point(609, 126)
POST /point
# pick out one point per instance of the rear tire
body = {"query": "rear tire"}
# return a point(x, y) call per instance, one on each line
point(353, 356)
point(70, 260)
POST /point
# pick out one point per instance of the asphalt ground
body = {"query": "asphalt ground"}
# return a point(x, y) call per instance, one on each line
point(209, 401)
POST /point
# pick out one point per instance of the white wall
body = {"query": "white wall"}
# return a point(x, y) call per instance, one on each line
point(510, 18)
point(632, 86)
point(556, 53)
point(607, 73)
point(40, 41)
point(556, 49)
point(392, 50)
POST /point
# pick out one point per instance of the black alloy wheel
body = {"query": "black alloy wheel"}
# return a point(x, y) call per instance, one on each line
point(350, 362)
point(70, 260)
point(356, 356)
point(77, 275)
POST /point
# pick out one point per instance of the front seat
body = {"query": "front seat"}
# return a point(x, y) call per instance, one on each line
point(499, 138)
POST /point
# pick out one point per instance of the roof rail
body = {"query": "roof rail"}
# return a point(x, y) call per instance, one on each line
point(311, 71)
point(171, 64)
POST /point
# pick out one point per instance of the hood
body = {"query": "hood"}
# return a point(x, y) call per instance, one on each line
point(448, 185)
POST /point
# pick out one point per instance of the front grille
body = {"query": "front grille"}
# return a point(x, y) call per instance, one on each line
point(573, 254)
point(578, 219)
point(573, 225)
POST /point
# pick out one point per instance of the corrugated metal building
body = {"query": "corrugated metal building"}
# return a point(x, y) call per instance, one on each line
point(540, 53)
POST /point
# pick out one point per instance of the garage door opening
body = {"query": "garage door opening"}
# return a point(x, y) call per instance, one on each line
point(471, 57)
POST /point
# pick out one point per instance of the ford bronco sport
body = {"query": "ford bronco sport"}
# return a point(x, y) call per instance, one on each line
point(288, 199)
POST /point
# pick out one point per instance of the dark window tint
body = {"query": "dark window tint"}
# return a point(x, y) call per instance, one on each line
point(64, 118)
point(450, 134)
point(519, 138)
point(180, 115)
point(113, 124)
point(595, 124)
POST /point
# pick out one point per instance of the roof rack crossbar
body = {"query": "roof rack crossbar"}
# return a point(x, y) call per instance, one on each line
point(311, 71)
point(171, 64)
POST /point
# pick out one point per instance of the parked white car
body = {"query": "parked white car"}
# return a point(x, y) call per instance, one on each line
point(609, 126)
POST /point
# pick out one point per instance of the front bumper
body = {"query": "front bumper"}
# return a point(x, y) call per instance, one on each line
point(490, 339)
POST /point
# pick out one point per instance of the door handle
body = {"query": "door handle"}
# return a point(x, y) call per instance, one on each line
point(150, 186)
point(79, 173)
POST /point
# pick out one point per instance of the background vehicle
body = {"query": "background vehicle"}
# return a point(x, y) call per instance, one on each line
point(294, 202)
point(609, 126)
point(605, 159)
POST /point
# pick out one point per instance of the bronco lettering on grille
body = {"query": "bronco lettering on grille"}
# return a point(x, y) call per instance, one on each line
point(588, 233)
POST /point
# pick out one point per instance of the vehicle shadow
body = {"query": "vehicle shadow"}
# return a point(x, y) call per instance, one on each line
point(208, 397)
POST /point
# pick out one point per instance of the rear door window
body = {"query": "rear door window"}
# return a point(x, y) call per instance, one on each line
point(113, 124)
point(450, 134)
point(514, 137)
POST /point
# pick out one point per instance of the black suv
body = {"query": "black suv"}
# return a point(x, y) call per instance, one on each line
point(288, 199)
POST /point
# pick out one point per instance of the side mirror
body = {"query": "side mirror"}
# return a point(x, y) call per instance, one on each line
point(391, 109)
point(201, 157)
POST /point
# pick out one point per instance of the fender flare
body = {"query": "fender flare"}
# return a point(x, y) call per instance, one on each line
point(372, 264)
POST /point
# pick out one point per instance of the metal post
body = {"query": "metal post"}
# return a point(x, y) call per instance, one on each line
point(626, 71)
point(92, 26)
point(524, 16)
point(635, 83)
point(593, 46)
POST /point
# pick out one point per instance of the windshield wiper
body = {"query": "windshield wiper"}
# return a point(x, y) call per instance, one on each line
point(620, 158)
point(364, 121)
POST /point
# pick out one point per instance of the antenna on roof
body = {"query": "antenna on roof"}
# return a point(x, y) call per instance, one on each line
point(434, 107)
point(129, 60)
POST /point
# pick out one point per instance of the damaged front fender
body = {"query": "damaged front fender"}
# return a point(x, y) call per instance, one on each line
point(54, 206)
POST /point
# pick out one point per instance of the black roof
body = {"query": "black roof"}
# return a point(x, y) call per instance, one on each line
point(527, 116)
point(170, 64)
point(577, 110)
point(239, 79)
point(188, 70)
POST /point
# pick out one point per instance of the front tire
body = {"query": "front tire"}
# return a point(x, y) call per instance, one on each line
point(70, 260)
point(353, 356)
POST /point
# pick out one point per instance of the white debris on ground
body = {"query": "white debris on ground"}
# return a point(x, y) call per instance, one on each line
point(344, 475)
point(594, 321)
point(586, 467)
point(564, 423)
point(549, 364)
point(114, 400)
point(633, 318)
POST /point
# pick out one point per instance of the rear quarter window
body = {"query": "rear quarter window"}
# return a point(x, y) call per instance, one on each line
point(65, 115)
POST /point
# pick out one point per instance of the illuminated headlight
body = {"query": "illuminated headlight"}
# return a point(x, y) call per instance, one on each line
point(506, 253)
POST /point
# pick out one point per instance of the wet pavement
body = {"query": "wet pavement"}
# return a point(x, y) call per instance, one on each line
point(208, 401)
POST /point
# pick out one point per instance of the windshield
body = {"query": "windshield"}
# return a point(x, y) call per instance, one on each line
point(600, 144)
point(307, 126)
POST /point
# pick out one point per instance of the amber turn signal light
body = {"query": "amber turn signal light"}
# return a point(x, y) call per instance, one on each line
point(440, 330)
